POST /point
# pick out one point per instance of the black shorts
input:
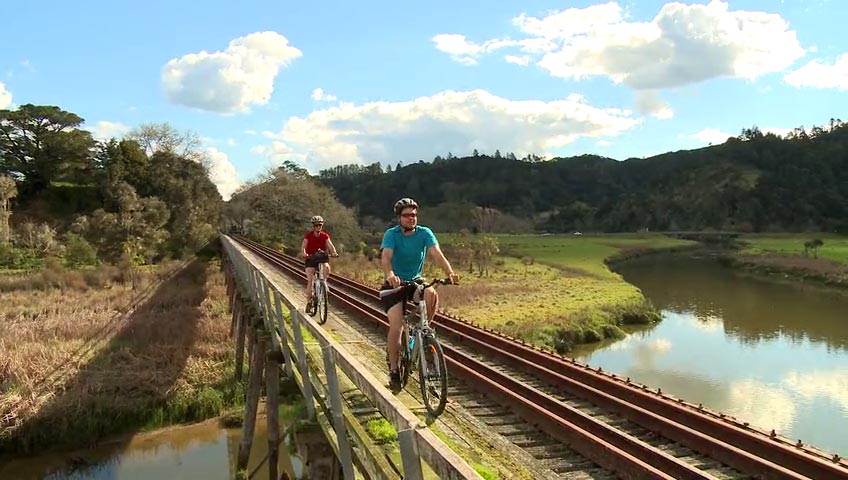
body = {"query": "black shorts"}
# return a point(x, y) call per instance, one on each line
point(391, 296)
point(314, 260)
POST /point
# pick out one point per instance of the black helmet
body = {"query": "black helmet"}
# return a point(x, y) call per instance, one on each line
point(404, 203)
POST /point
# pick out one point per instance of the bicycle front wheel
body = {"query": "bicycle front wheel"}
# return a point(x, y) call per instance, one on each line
point(433, 376)
point(323, 306)
point(404, 365)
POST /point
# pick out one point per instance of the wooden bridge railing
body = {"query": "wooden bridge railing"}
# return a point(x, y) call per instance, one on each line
point(273, 324)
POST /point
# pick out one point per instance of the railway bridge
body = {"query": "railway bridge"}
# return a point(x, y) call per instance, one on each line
point(514, 410)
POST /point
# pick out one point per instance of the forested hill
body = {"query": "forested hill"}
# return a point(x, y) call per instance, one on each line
point(756, 182)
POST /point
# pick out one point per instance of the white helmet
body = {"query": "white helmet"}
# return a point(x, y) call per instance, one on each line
point(317, 219)
point(404, 203)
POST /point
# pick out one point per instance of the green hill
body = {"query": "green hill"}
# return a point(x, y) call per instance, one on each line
point(757, 182)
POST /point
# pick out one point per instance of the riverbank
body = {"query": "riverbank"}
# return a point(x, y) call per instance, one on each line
point(786, 256)
point(555, 291)
point(85, 360)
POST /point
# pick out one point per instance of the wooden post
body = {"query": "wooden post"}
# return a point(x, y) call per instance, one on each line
point(241, 326)
point(250, 326)
point(272, 394)
point(235, 318)
point(409, 454)
point(336, 405)
point(252, 403)
point(283, 332)
point(304, 365)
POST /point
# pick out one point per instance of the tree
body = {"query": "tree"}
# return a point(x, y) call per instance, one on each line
point(123, 161)
point(39, 238)
point(476, 154)
point(484, 248)
point(190, 196)
point(294, 169)
point(498, 154)
point(136, 230)
point(527, 261)
point(40, 144)
point(8, 191)
point(164, 137)
point(484, 219)
point(277, 208)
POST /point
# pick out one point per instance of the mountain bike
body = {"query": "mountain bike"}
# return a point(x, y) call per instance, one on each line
point(422, 348)
point(320, 301)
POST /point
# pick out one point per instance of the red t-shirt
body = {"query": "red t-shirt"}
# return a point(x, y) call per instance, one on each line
point(315, 243)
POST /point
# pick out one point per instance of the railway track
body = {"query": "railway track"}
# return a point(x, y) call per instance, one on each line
point(622, 427)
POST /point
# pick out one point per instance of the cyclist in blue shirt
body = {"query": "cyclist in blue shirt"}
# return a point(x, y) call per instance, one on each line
point(404, 249)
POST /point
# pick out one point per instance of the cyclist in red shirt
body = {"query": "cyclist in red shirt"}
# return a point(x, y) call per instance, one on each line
point(316, 244)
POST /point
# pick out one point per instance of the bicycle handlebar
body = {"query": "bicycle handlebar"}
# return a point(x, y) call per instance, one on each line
point(440, 281)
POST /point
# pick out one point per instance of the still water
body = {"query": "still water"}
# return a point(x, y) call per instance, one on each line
point(774, 354)
point(205, 451)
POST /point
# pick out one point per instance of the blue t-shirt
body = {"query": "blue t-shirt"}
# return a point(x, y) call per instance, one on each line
point(408, 251)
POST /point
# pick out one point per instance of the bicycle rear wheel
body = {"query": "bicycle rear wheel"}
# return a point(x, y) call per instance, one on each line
point(323, 306)
point(433, 376)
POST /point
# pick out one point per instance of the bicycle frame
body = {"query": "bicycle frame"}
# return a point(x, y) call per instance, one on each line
point(422, 328)
point(318, 282)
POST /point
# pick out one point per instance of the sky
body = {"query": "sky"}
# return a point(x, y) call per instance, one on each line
point(338, 82)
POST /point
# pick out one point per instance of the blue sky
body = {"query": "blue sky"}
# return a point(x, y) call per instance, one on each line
point(340, 82)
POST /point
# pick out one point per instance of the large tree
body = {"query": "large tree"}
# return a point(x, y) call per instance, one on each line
point(190, 195)
point(136, 228)
point(40, 144)
point(278, 207)
point(8, 191)
point(165, 138)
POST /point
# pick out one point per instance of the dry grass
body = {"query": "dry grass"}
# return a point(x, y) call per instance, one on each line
point(360, 269)
point(79, 364)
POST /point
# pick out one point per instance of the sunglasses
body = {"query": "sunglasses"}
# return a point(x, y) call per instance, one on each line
point(317, 224)
point(409, 215)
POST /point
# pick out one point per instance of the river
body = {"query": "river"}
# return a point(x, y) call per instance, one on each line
point(204, 450)
point(771, 353)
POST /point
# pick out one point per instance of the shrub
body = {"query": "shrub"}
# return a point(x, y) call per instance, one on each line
point(78, 252)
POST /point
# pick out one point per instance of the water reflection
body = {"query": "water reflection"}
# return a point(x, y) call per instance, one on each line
point(750, 309)
point(199, 451)
point(771, 354)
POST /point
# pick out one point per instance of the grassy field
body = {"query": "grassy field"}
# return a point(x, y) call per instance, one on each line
point(835, 247)
point(87, 355)
point(554, 291)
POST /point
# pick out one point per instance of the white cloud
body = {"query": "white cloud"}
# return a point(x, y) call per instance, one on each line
point(271, 135)
point(458, 47)
point(683, 44)
point(320, 95)
point(604, 143)
point(522, 60)
point(229, 81)
point(711, 135)
point(780, 132)
point(811, 385)
point(222, 172)
point(763, 405)
point(104, 130)
point(5, 97)
point(231, 142)
point(446, 122)
point(818, 74)
point(466, 52)
point(250, 132)
point(648, 102)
